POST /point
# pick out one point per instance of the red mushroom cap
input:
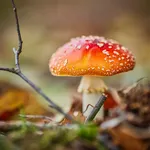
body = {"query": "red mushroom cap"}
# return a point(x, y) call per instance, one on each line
point(91, 55)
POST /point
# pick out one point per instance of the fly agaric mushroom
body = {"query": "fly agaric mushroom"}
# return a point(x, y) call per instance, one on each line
point(91, 57)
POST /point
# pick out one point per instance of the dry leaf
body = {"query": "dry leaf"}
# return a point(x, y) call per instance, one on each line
point(75, 111)
point(136, 103)
point(125, 137)
point(14, 98)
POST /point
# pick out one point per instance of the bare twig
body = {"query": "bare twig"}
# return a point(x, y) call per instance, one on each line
point(13, 125)
point(36, 117)
point(89, 105)
point(126, 90)
point(18, 51)
point(18, 28)
point(11, 70)
point(40, 92)
point(18, 72)
point(96, 108)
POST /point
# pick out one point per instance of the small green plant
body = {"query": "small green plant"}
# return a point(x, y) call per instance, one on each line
point(88, 132)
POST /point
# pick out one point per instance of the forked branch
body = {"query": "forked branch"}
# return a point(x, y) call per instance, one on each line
point(16, 70)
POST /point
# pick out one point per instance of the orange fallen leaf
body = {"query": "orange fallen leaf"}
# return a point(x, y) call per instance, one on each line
point(14, 98)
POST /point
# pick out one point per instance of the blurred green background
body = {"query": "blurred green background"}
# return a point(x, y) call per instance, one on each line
point(48, 24)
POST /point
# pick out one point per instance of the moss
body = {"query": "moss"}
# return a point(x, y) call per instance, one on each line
point(59, 138)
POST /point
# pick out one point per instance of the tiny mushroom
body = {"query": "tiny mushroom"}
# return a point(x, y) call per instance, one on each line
point(91, 57)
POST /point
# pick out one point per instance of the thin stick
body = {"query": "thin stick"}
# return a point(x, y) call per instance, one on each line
point(18, 51)
point(17, 27)
point(6, 126)
point(40, 92)
point(96, 108)
point(36, 117)
point(11, 70)
point(14, 125)
point(89, 105)
point(18, 72)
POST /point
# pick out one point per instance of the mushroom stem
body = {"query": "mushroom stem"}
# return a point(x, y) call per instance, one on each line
point(92, 88)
